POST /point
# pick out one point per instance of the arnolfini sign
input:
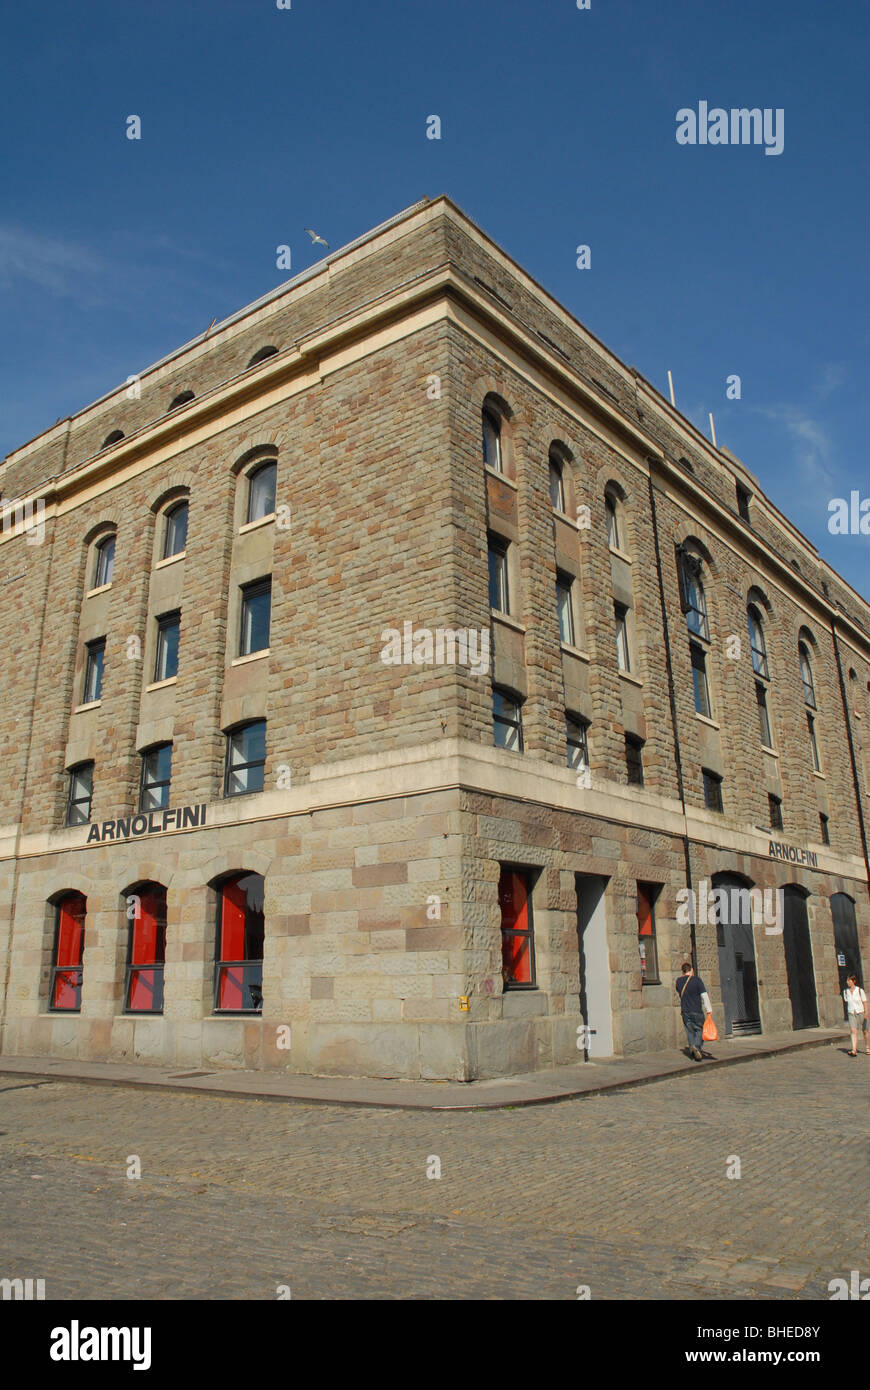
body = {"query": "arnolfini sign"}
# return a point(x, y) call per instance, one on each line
point(778, 850)
point(150, 823)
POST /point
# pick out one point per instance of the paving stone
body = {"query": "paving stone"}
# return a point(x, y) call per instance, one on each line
point(240, 1195)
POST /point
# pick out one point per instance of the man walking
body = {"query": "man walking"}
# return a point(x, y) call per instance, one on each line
point(694, 1003)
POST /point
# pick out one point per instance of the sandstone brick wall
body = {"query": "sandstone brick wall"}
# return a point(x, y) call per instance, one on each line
point(389, 509)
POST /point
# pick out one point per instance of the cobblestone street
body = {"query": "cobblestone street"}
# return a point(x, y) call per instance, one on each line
point(625, 1193)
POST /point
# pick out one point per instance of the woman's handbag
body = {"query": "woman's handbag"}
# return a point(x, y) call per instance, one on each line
point(710, 1032)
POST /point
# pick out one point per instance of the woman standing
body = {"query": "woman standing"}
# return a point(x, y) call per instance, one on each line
point(856, 1003)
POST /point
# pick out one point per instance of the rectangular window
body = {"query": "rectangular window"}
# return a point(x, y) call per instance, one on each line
point(69, 944)
point(763, 717)
point(646, 932)
point(256, 617)
point(156, 777)
point(577, 740)
point(246, 759)
point(712, 790)
point(147, 952)
point(620, 617)
point(823, 827)
point(775, 807)
point(699, 679)
point(79, 794)
point(743, 497)
point(517, 940)
point(814, 747)
point(499, 592)
point(166, 660)
point(564, 587)
point(634, 760)
point(507, 721)
point(95, 655)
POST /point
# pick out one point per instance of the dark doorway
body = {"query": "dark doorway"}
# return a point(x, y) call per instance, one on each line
point(737, 972)
point(799, 960)
point(846, 941)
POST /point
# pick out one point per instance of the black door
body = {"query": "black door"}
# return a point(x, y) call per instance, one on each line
point(846, 941)
point(799, 960)
point(737, 973)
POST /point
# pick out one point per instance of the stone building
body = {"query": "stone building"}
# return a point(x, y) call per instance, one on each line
point(384, 670)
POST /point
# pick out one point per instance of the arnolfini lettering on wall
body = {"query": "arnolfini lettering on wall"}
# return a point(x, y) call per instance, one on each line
point(155, 822)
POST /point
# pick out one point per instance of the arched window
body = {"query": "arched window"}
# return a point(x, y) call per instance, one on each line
point(181, 399)
point(614, 513)
point(80, 792)
point(155, 778)
point(245, 759)
point(692, 593)
point(261, 354)
point(806, 675)
point(239, 947)
point(104, 562)
point(613, 536)
point(492, 450)
point(146, 949)
point(68, 952)
point(262, 484)
point(175, 534)
point(557, 481)
point(757, 643)
point(111, 439)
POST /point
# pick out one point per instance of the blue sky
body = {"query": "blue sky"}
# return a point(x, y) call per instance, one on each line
point(558, 129)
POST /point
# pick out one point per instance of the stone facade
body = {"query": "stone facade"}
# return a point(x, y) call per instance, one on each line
point(387, 814)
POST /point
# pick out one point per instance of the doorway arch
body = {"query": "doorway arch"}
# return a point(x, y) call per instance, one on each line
point(738, 975)
point(799, 958)
point(846, 941)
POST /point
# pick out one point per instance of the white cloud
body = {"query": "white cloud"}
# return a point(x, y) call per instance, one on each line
point(832, 378)
point(814, 454)
point(58, 267)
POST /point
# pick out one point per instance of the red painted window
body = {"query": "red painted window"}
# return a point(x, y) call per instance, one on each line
point(240, 935)
point(517, 944)
point(646, 932)
point(147, 950)
point(69, 945)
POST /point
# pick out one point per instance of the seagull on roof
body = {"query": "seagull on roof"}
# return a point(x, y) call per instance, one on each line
point(315, 239)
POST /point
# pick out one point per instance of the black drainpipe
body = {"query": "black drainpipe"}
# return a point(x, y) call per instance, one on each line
point(855, 781)
point(673, 703)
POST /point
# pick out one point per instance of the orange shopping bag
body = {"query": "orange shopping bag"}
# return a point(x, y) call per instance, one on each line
point(711, 1032)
